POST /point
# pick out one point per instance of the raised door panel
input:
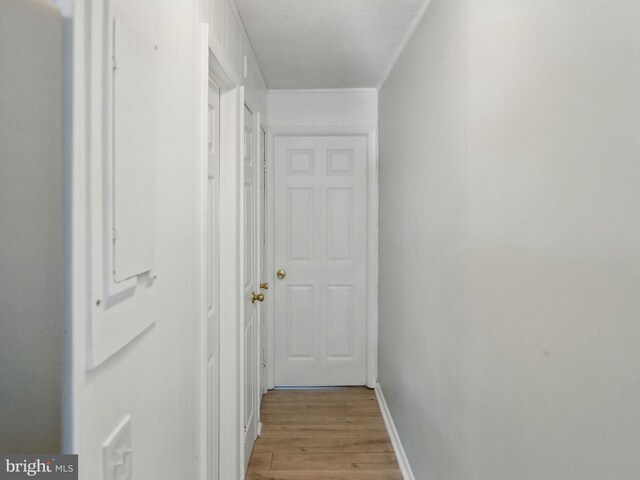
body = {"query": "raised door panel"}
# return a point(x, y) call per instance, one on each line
point(249, 239)
point(250, 383)
point(300, 224)
point(340, 215)
point(340, 319)
point(300, 321)
point(300, 162)
point(340, 162)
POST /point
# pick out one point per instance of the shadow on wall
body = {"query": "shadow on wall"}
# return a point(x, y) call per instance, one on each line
point(31, 222)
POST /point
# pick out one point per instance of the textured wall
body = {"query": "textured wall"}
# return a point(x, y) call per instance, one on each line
point(509, 241)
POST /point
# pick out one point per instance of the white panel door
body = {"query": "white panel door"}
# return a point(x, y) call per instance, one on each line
point(213, 282)
point(251, 287)
point(320, 245)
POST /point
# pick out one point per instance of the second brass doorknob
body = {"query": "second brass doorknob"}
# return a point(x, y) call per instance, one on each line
point(281, 274)
point(257, 297)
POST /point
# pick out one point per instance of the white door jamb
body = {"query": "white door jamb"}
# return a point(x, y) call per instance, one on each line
point(200, 191)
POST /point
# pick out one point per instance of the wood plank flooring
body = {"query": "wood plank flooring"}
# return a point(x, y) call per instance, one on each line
point(333, 434)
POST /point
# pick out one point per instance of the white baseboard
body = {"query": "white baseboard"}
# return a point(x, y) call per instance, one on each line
point(405, 468)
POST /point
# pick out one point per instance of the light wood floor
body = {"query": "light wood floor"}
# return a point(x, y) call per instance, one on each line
point(335, 434)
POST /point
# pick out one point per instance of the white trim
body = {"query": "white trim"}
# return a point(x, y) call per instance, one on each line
point(322, 90)
point(201, 196)
point(230, 308)
point(401, 456)
point(372, 258)
point(240, 251)
point(80, 260)
point(68, 128)
point(278, 131)
point(372, 236)
point(269, 312)
point(259, 252)
point(405, 40)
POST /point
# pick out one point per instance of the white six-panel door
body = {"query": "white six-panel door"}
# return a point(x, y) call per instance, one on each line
point(213, 282)
point(251, 286)
point(320, 245)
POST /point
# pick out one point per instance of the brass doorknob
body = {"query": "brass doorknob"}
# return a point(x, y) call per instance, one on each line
point(259, 297)
point(264, 286)
point(281, 274)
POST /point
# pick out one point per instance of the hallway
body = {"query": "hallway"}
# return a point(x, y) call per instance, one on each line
point(323, 434)
point(321, 240)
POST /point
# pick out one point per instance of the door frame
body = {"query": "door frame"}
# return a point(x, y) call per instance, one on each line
point(212, 64)
point(260, 313)
point(371, 135)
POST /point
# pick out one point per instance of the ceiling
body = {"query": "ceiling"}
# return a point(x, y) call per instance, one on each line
point(326, 43)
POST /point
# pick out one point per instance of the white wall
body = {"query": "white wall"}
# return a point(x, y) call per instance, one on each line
point(154, 378)
point(31, 227)
point(509, 241)
point(322, 108)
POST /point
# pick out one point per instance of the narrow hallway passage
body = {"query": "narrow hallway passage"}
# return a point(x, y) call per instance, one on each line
point(328, 434)
point(414, 223)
